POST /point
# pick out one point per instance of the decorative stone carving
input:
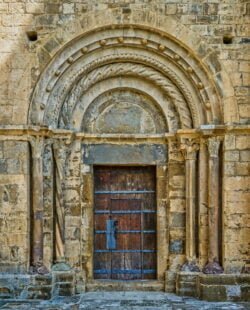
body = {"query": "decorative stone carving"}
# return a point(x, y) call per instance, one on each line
point(189, 148)
point(60, 154)
point(126, 69)
point(174, 153)
point(213, 146)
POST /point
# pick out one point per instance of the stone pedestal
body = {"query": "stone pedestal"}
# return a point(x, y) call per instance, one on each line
point(63, 280)
point(224, 287)
point(187, 283)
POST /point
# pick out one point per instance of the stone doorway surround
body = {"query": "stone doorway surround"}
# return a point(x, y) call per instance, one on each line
point(124, 87)
point(155, 153)
point(130, 85)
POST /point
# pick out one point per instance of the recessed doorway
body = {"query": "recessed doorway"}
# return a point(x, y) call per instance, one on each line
point(125, 223)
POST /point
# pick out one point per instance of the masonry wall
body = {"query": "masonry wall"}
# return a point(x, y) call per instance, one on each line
point(14, 206)
point(223, 25)
point(236, 202)
point(212, 20)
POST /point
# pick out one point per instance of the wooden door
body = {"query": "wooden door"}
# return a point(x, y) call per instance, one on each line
point(125, 223)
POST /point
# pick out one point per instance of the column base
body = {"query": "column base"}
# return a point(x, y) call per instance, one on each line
point(61, 265)
point(213, 268)
point(38, 268)
point(190, 266)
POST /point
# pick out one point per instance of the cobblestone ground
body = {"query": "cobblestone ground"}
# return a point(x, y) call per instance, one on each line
point(123, 300)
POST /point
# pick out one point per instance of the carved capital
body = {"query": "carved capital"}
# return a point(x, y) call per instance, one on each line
point(213, 146)
point(174, 151)
point(189, 148)
point(60, 150)
point(37, 146)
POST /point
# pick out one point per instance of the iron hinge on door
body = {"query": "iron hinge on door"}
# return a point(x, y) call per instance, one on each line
point(111, 230)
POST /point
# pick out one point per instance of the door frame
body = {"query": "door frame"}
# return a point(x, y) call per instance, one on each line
point(162, 236)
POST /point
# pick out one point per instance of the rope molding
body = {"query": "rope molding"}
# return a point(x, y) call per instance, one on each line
point(62, 91)
point(113, 70)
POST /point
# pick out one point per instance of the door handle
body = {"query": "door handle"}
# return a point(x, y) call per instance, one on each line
point(111, 231)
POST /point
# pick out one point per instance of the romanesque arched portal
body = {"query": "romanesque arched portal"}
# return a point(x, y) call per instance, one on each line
point(131, 96)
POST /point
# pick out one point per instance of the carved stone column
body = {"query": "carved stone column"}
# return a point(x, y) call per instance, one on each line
point(203, 199)
point(37, 147)
point(59, 154)
point(189, 148)
point(213, 265)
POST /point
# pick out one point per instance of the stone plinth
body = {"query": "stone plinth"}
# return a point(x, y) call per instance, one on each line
point(223, 287)
point(187, 283)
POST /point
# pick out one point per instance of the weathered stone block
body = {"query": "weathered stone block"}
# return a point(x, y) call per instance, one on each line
point(177, 219)
point(245, 155)
point(213, 292)
point(176, 246)
point(39, 292)
point(243, 169)
point(35, 8)
point(232, 156)
point(242, 142)
point(237, 183)
point(3, 166)
point(187, 283)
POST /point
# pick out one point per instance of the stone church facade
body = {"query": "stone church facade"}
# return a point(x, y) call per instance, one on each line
point(124, 147)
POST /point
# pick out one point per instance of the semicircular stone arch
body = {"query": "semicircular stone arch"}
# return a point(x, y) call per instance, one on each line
point(149, 92)
point(123, 110)
point(121, 53)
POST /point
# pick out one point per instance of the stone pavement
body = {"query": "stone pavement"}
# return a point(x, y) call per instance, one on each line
point(123, 300)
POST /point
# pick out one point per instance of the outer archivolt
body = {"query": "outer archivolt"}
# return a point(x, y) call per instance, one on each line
point(67, 79)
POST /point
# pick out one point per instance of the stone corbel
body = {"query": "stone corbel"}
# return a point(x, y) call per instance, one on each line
point(189, 148)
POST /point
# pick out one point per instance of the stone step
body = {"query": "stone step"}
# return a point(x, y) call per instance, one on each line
point(63, 289)
point(105, 285)
point(6, 292)
point(38, 292)
point(42, 280)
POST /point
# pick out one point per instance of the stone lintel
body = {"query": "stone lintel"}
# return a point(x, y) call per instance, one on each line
point(107, 153)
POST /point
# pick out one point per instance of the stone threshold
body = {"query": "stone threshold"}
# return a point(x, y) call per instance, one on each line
point(130, 285)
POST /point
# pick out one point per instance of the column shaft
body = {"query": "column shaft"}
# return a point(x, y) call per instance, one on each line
point(189, 148)
point(203, 201)
point(37, 145)
point(190, 208)
point(213, 265)
point(213, 217)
